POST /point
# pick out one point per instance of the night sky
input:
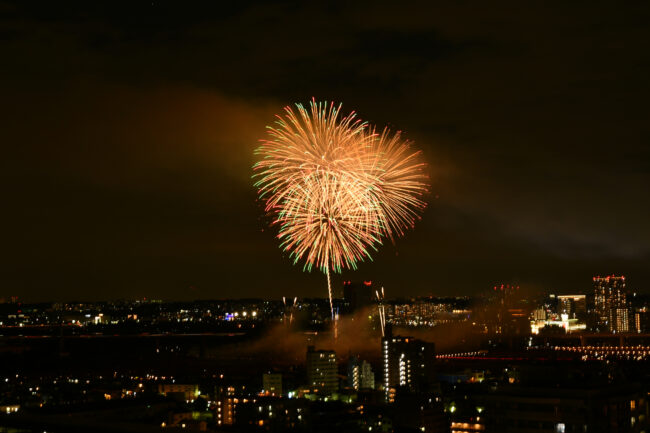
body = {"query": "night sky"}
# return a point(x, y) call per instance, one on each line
point(128, 131)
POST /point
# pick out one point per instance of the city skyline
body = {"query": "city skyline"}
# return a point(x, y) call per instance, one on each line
point(492, 363)
point(130, 132)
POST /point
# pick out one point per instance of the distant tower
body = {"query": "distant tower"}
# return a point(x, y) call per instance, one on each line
point(322, 370)
point(610, 303)
point(407, 364)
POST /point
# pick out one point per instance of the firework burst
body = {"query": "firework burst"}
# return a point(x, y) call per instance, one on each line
point(336, 188)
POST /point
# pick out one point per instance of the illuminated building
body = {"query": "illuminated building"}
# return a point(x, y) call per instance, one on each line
point(427, 311)
point(322, 370)
point(225, 410)
point(358, 295)
point(11, 408)
point(570, 314)
point(641, 320)
point(610, 303)
point(272, 384)
point(227, 402)
point(563, 321)
point(466, 427)
point(360, 374)
point(407, 364)
point(189, 392)
point(574, 306)
point(539, 314)
point(367, 376)
point(608, 408)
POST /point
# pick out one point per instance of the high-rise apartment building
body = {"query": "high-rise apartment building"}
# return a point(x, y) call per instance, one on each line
point(360, 374)
point(610, 304)
point(322, 370)
point(407, 364)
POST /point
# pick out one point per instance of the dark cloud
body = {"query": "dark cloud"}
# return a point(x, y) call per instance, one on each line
point(128, 132)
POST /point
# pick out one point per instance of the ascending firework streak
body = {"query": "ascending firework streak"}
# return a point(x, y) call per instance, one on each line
point(336, 323)
point(382, 312)
point(335, 188)
point(291, 308)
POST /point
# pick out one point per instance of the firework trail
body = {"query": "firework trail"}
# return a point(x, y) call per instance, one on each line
point(336, 188)
point(291, 310)
point(382, 311)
